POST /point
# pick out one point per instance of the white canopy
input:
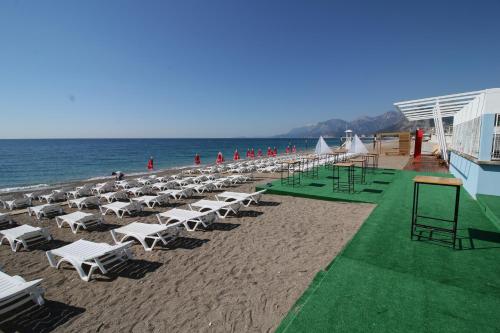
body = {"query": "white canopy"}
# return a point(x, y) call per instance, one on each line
point(322, 147)
point(357, 147)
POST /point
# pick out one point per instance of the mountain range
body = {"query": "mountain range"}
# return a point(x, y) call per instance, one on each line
point(391, 121)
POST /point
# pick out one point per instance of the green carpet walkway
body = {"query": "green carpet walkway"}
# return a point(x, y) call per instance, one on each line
point(383, 282)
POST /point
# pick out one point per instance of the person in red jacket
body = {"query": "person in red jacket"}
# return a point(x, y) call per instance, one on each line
point(197, 159)
point(150, 164)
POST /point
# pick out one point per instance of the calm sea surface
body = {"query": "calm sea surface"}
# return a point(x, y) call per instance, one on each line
point(44, 162)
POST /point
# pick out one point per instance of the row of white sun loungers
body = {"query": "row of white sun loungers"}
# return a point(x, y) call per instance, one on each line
point(88, 257)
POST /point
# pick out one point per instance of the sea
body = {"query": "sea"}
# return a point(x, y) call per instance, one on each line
point(36, 163)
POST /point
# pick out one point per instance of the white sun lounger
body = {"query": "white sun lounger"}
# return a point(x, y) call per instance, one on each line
point(79, 220)
point(199, 188)
point(120, 208)
point(114, 196)
point(246, 198)
point(103, 188)
point(24, 235)
point(81, 191)
point(5, 220)
point(53, 197)
point(15, 292)
point(16, 203)
point(146, 232)
point(88, 255)
point(160, 186)
point(45, 210)
point(187, 217)
point(178, 194)
point(84, 202)
point(152, 200)
point(222, 208)
point(142, 190)
point(124, 184)
point(145, 180)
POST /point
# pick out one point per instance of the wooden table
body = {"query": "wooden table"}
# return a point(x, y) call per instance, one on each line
point(349, 185)
point(416, 225)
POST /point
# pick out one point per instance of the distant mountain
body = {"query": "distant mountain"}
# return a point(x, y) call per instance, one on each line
point(391, 121)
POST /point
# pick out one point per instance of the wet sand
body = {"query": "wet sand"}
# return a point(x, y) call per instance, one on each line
point(242, 275)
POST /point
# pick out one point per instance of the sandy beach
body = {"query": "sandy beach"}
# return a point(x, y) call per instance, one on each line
point(243, 274)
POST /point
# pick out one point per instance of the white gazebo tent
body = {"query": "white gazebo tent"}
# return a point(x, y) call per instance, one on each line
point(437, 108)
point(321, 147)
point(357, 146)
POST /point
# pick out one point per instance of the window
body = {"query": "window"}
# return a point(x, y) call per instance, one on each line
point(466, 137)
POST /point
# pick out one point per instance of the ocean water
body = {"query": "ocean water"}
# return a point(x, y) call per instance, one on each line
point(38, 163)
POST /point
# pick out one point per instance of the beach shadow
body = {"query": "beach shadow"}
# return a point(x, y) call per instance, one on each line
point(185, 243)
point(269, 203)
point(45, 318)
point(249, 213)
point(218, 226)
point(371, 190)
point(134, 269)
point(51, 245)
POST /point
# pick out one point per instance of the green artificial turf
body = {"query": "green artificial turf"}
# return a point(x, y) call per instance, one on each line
point(384, 282)
point(491, 207)
point(322, 187)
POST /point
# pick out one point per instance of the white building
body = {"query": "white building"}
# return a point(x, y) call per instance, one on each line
point(474, 152)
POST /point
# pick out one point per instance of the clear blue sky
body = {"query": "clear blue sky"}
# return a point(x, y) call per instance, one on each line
point(231, 68)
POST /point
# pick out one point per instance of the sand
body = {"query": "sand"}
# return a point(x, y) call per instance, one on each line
point(243, 275)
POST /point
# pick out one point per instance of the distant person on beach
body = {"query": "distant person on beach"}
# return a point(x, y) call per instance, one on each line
point(118, 175)
point(150, 164)
point(197, 159)
point(374, 142)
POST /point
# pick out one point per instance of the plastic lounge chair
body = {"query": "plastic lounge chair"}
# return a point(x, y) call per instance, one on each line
point(25, 236)
point(220, 207)
point(160, 186)
point(199, 188)
point(81, 191)
point(146, 232)
point(120, 208)
point(5, 220)
point(187, 217)
point(178, 194)
point(84, 202)
point(246, 198)
point(124, 184)
point(114, 196)
point(88, 256)
point(16, 203)
point(15, 292)
point(45, 210)
point(152, 200)
point(79, 220)
point(103, 188)
point(53, 197)
point(137, 191)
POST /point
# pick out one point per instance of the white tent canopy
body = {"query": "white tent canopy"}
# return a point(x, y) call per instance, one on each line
point(357, 147)
point(321, 147)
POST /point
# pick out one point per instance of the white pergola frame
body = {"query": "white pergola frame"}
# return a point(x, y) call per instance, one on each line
point(437, 108)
